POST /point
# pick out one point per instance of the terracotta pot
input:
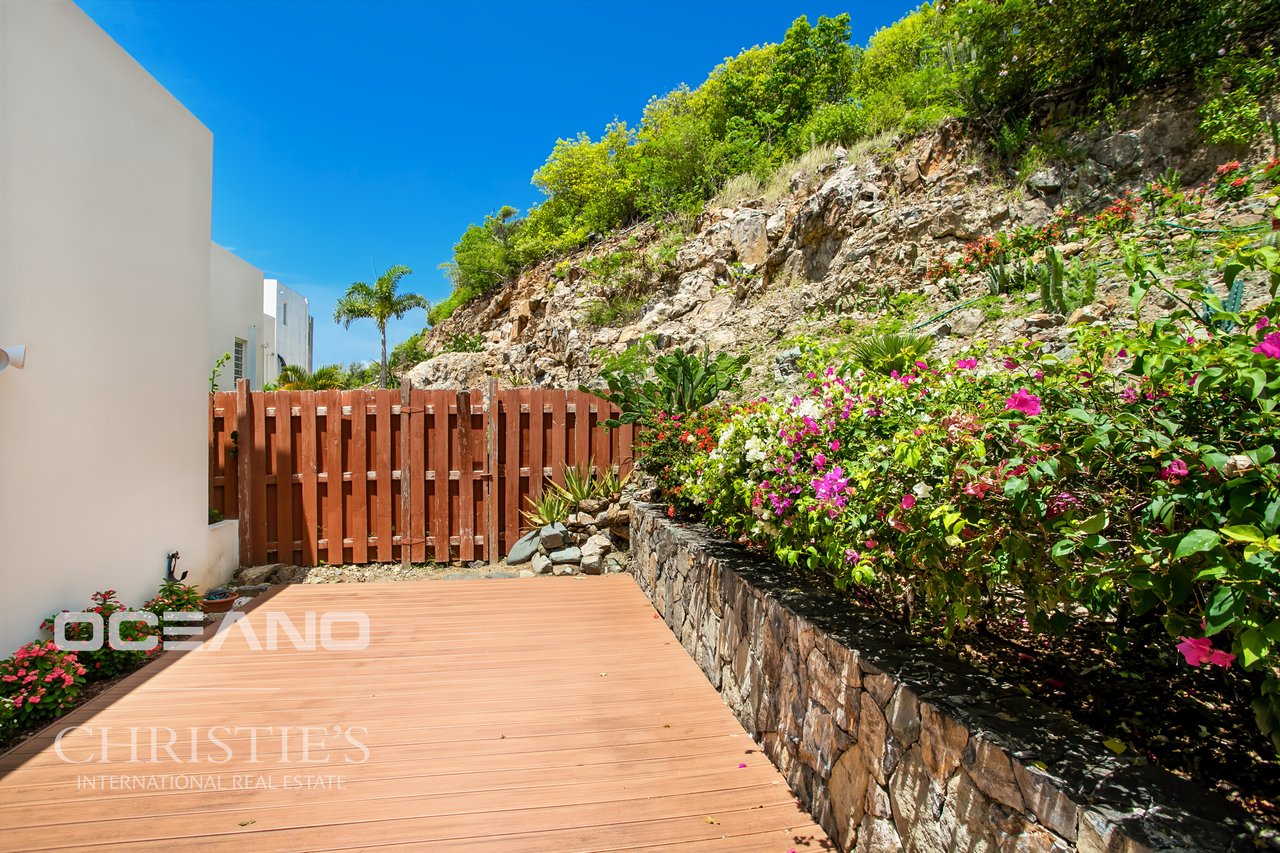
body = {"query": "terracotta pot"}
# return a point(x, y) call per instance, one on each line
point(217, 605)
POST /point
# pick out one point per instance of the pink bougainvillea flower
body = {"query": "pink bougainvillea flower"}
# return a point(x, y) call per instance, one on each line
point(967, 363)
point(908, 501)
point(1263, 323)
point(1023, 401)
point(1124, 353)
point(1175, 471)
point(820, 460)
point(851, 556)
point(1200, 650)
point(835, 446)
point(1195, 650)
point(1270, 346)
point(741, 765)
point(1222, 659)
point(1010, 364)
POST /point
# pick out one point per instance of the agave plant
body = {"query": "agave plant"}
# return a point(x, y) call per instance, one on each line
point(548, 508)
point(887, 352)
point(684, 382)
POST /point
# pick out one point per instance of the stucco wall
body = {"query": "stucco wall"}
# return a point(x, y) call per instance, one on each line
point(105, 184)
point(894, 746)
point(235, 311)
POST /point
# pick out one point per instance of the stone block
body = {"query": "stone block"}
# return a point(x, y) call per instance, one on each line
point(942, 742)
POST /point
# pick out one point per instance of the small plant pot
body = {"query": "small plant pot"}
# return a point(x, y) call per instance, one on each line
point(217, 605)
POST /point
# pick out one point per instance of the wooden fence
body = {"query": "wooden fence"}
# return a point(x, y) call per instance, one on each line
point(409, 475)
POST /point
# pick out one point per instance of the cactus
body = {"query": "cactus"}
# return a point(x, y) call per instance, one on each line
point(1232, 305)
point(1052, 296)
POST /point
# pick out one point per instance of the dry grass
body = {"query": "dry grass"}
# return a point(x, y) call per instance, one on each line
point(803, 169)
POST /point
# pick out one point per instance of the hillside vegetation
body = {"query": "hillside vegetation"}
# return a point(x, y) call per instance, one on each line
point(1006, 69)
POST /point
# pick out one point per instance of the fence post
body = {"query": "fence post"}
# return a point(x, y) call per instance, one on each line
point(244, 458)
point(406, 475)
point(491, 471)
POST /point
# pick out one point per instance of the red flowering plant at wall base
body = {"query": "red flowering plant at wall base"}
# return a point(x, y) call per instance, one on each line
point(109, 661)
point(38, 682)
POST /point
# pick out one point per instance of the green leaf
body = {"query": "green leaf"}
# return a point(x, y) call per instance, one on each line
point(1196, 542)
point(1257, 377)
point(1253, 647)
point(1061, 551)
point(1116, 746)
point(1094, 523)
point(1243, 533)
point(1221, 611)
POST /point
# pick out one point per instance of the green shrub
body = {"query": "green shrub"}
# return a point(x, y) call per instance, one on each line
point(683, 383)
point(464, 343)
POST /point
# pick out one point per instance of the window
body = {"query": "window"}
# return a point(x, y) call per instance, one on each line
point(238, 363)
point(284, 313)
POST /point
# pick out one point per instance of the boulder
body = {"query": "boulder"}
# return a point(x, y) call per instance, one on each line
point(596, 546)
point(566, 555)
point(541, 563)
point(253, 575)
point(451, 370)
point(524, 549)
point(553, 535)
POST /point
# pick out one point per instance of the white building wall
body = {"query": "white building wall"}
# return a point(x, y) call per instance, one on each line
point(235, 312)
point(291, 312)
point(105, 183)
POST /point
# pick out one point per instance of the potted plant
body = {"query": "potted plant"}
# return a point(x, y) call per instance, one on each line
point(217, 600)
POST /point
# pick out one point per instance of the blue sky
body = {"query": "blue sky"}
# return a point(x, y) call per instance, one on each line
point(349, 136)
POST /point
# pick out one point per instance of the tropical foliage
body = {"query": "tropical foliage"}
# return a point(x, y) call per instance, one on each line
point(381, 303)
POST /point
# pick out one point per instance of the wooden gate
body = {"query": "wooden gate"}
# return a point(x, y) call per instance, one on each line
point(381, 476)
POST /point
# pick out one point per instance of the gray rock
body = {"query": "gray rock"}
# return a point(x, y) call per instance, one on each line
point(254, 575)
point(566, 555)
point(552, 536)
point(541, 563)
point(495, 575)
point(563, 569)
point(524, 549)
point(596, 546)
point(593, 565)
point(1045, 180)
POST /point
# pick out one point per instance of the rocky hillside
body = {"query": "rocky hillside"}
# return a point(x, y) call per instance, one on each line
point(837, 247)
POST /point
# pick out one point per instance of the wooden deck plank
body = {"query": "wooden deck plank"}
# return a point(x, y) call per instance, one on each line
point(521, 714)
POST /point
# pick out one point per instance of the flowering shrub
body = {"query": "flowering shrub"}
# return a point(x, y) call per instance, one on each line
point(1116, 218)
point(174, 597)
point(39, 682)
point(1136, 483)
point(1232, 182)
point(109, 661)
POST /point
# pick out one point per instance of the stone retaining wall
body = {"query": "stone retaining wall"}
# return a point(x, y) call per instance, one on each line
point(892, 745)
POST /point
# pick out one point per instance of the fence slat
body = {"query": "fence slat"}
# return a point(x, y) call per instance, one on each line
point(417, 529)
point(466, 481)
point(581, 429)
point(284, 478)
point(244, 464)
point(558, 436)
point(258, 485)
point(358, 519)
point(511, 471)
point(386, 510)
point(440, 522)
point(333, 470)
point(537, 452)
point(307, 466)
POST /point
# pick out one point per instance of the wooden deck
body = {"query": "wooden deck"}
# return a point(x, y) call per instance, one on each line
point(547, 714)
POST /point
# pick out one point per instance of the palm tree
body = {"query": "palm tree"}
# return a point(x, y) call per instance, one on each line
point(294, 377)
point(379, 303)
